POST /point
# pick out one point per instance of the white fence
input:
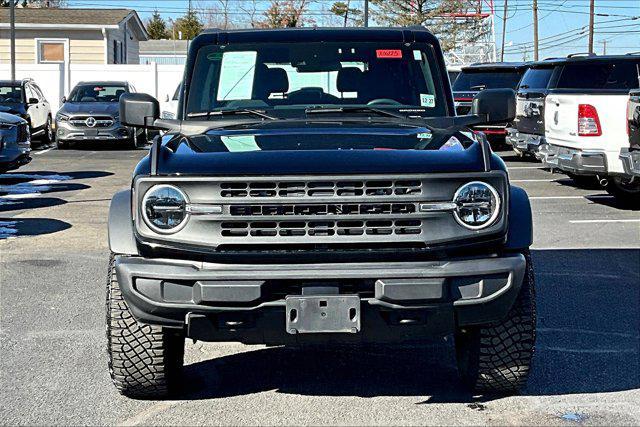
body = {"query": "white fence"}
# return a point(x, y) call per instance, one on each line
point(57, 80)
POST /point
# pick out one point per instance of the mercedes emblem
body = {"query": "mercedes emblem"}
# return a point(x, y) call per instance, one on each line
point(90, 122)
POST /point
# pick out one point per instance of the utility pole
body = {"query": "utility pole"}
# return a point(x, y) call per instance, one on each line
point(504, 30)
point(591, 16)
point(12, 20)
point(366, 13)
point(346, 13)
point(535, 30)
point(604, 46)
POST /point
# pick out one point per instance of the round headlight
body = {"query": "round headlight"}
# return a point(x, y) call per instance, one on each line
point(477, 205)
point(164, 208)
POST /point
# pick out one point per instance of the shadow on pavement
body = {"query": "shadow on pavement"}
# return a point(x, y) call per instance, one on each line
point(7, 205)
point(588, 341)
point(14, 227)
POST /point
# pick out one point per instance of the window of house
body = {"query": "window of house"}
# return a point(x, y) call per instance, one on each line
point(50, 51)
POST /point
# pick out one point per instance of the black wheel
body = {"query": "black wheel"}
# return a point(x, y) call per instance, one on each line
point(588, 182)
point(625, 190)
point(497, 358)
point(144, 361)
point(49, 135)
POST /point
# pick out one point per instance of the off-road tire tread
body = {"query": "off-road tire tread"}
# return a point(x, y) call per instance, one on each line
point(144, 361)
point(500, 355)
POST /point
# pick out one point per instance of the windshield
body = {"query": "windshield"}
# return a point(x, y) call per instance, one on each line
point(536, 78)
point(299, 76)
point(10, 94)
point(97, 93)
point(472, 80)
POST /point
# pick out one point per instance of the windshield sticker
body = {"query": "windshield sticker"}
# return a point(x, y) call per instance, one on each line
point(427, 100)
point(389, 53)
point(239, 143)
point(453, 144)
point(417, 55)
point(424, 135)
point(215, 56)
point(236, 75)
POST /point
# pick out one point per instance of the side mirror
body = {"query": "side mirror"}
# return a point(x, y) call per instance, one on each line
point(63, 99)
point(33, 101)
point(166, 98)
point(139, 110)
point(495, 105)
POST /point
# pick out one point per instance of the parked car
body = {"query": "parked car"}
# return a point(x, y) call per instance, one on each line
point(585, 126)
point(25, 99)
point(630, 155)
point(317, 193)
point(453, 71)
point(91, 113)
point(15, 142)
point(169, 109)
point(478, 77)
point(526, 133)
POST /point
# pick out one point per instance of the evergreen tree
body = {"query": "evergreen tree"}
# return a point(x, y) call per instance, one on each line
point(190, 26)
point(157, 27)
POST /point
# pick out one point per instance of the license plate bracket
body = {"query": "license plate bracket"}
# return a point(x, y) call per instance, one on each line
point(90, 133)
point(323, 314)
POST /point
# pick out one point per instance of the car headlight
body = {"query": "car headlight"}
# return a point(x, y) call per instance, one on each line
point(61, 118)
point(164, 209)
point(477, 205)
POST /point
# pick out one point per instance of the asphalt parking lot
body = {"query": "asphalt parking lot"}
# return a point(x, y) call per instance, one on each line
point(53, 369)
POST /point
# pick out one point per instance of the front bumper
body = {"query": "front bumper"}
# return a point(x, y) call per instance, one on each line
point(574, 161)
point(524, 142)
point(68, 132)
point(400, 300)
point(13, 154)
point(630, 162)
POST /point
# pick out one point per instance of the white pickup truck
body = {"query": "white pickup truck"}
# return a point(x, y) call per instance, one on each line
point(585, 126)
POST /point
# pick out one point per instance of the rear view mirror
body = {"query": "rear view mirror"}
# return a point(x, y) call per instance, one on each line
point(139, 110)
point(495, 105)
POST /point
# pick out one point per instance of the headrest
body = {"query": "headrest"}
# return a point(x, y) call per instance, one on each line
point(349, 79)
point(87, 99)
point(278, 80)
point(119, 92)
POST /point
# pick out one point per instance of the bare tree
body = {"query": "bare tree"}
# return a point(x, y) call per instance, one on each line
point(286, 13)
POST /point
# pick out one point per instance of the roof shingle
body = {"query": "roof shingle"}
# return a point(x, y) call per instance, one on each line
point(66, 16)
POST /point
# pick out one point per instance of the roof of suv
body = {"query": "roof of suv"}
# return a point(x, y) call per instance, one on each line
point(311, 34)
point(497, 66)
point(104, 83)
point(572, 59)
point(14, 82)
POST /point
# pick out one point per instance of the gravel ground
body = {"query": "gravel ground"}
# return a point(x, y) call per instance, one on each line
point(53, 260)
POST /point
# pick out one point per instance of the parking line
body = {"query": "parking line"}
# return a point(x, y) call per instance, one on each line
point(524, 167)
point(598, 221)
point(536, 180)
point(37, 153)
point(600, 196)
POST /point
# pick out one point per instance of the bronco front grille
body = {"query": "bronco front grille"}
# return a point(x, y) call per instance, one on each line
point(374, 211)
point(320, 228)
point(324, 188)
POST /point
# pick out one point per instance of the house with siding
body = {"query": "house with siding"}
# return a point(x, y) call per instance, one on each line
point(73, 36)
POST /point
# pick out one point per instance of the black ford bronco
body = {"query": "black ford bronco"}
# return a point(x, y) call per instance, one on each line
point(315, 188)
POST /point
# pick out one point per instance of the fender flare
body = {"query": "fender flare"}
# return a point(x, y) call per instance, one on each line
point(520, 231)
point(121, 236)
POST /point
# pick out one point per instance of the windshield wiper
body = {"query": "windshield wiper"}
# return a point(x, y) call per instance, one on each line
point(237, 111)
point(353, 110)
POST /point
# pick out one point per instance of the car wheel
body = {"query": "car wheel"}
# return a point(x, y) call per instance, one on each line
point(588, 182)
point(144, 361)
point(625, 190)
point(62, 145)
point(497, 358)
point(49, 135)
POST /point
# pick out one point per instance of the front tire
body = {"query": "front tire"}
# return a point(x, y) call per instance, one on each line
point(497, 358)
point(145, 361)
point(49, 135)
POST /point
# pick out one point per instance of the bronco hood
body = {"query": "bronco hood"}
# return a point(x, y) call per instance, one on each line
point(321, 149)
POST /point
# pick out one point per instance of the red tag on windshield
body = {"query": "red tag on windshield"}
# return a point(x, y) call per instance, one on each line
point(389, 53)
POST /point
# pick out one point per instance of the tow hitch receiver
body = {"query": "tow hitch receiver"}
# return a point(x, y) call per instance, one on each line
point(318, 314)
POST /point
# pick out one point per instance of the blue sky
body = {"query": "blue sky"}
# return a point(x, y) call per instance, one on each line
point(560, 22)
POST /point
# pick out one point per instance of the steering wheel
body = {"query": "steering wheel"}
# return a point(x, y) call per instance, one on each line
point(383, 101)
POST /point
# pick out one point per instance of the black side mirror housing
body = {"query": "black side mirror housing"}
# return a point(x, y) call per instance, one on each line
point(139, 110)
point(33, 101)
point(63, 99)
point(495, 105)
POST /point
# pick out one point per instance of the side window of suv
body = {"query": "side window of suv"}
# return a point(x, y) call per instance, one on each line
point(38, 92)
point(31, 94)
point(600, 75)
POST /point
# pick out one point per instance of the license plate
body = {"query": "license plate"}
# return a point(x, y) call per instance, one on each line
point(91, 132)
point(323, 314)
